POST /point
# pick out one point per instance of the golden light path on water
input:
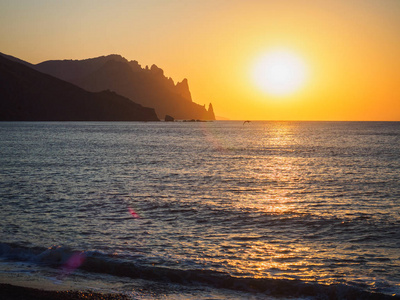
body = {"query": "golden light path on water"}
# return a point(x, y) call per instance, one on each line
point(313, 201)
point(282, 188)
point(264, 258)
point(275, 192)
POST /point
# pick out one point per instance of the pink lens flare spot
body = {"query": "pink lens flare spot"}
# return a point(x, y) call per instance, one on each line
point(73, 263)
point(133, 213)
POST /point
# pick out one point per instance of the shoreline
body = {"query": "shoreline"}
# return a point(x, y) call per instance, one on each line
point(15, 292)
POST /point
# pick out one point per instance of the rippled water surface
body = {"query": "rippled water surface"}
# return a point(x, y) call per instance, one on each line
point(312, 201)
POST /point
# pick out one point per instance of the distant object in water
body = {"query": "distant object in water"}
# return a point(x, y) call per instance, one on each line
point(246, 122)
point(168, 118)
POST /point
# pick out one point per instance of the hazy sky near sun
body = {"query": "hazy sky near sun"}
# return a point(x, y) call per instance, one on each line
point(351, 48)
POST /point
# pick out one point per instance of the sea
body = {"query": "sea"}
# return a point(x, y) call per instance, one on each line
point(202, 210)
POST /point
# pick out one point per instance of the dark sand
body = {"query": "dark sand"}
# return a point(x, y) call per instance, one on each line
point(12, 292)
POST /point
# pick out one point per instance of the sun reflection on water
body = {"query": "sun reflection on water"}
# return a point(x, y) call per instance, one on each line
point(268, 260)
point(275, 175)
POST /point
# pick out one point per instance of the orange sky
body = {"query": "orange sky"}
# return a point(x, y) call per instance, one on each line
point(351, 48)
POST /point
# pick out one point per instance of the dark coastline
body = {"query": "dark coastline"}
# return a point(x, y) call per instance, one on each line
point(13, 292)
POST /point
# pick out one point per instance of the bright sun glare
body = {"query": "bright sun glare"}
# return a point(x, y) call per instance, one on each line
point(279, 73)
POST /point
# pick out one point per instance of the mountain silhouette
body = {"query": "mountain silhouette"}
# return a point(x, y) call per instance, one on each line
point(29, 95)
point(15, 59)
point(146, 86)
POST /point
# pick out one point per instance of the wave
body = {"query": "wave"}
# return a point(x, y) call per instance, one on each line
point(97, 262)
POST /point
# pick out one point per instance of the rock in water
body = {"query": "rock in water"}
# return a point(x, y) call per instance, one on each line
point(168, 118)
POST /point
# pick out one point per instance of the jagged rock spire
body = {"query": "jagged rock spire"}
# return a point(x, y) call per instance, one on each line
point(183, 89)
point(210, 111)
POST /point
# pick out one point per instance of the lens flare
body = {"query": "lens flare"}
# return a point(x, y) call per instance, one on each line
point(73, 263)
point(133, 213)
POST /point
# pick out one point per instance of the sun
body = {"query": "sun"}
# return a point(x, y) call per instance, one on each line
point(279, 73)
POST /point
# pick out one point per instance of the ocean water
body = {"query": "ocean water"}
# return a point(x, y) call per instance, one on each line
point(204, 210)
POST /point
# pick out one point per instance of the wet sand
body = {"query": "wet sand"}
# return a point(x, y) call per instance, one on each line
point(13, 292)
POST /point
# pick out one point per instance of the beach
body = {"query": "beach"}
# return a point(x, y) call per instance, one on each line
point(13, 292)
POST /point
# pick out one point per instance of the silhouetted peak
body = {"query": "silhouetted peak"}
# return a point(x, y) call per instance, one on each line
point(103, 59)
point(113, 57)
point(183, 84)
point(171, 82)
point(156, 70)
point(147, 85)
point(183, 89)
point(116, 57)
point(135, 66)
point(30, 95)
point(210, 109)
point(12, 58)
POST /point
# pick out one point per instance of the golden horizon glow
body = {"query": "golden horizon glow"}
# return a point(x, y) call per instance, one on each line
point(350, 49)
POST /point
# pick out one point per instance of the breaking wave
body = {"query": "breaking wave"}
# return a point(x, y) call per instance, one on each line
point(102, 263)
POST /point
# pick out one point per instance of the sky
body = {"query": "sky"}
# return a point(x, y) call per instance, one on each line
point(349, 50)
